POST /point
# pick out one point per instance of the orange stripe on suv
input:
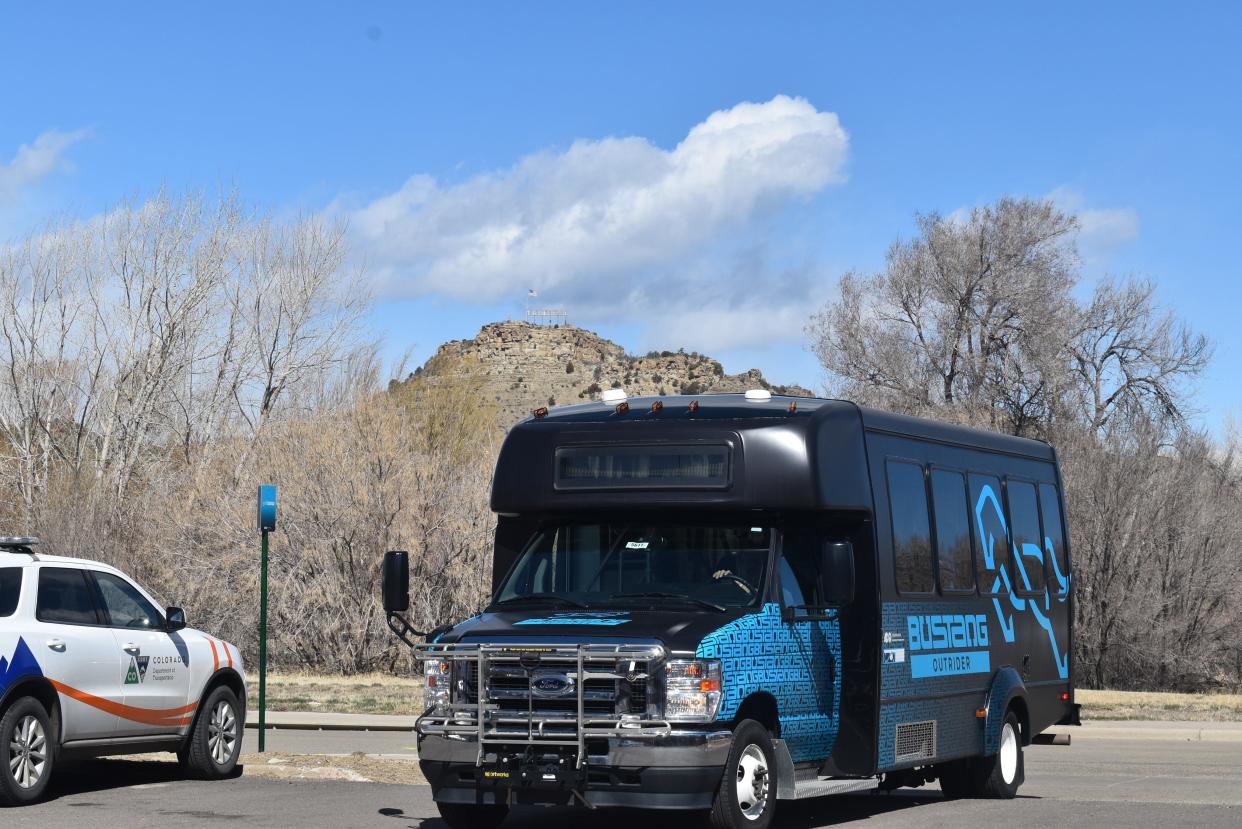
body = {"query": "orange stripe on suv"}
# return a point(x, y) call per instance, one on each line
point(146, 716)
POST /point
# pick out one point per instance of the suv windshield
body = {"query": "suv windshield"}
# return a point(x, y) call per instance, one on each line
point(640, 563)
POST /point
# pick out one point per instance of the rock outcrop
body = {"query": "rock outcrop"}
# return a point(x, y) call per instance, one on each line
point(524, 366)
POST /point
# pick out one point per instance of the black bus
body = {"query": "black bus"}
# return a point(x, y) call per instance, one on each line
point(720, 602)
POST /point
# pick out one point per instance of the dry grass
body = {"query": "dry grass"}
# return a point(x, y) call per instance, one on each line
point(1143, 705)
point(358, 694)
point(383, 694)
point(355, 768)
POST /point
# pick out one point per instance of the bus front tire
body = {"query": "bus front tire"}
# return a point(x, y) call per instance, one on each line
point(472, 816)
point(27, 752)
point(747, 793)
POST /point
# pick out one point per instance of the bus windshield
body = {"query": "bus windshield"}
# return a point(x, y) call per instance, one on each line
point(639, 564)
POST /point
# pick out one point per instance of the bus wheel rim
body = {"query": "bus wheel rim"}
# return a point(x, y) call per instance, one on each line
point(752, 782)
point(1009, 754)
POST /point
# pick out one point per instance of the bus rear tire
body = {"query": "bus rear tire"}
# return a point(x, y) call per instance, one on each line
point(1001, 774)
point(472, 816)
point(746, 798)
point(997, 777)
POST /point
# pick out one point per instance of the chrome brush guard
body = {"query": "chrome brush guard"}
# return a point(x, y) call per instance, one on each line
point(493, 698)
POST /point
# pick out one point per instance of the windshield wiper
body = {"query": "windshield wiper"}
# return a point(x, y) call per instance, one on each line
point(655, 594)
point(542, 597)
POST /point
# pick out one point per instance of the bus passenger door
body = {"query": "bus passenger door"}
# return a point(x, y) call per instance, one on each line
point(810, 707)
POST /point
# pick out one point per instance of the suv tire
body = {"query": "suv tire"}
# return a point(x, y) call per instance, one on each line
point(27, 752)
point(214, 744)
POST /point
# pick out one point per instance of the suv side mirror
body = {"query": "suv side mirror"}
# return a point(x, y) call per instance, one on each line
point(174, 619)
point(836, 569)
point(396, 587)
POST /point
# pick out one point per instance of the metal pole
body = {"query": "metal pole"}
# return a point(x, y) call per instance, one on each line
point(263, 646)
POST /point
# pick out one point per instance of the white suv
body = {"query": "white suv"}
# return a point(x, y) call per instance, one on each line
point(90, 666)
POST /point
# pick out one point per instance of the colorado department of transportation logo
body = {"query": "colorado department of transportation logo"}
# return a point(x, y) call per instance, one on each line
point(137, 669)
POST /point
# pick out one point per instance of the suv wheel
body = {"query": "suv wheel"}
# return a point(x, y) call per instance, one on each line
point(215, 742)
point(27, 752)
point(747, 794)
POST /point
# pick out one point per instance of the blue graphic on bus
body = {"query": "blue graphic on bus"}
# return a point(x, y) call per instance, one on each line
point(599, 619)
point(1002, 583)
point(924, 665)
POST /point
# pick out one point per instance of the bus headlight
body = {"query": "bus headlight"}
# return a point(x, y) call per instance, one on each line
point(438, 679)
point(692, 689)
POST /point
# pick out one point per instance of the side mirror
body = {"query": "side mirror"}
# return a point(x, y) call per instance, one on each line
point(836, 569)
point(396, 588)
point(174, 619)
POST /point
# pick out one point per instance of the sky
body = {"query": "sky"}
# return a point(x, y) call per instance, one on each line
point(693, 175)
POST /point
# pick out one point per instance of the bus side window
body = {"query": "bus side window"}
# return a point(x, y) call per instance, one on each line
point(991, 535)
point(1054, 538)
point(957, 570)
point(798, 570)
point(907, 499)
point(1028, 545)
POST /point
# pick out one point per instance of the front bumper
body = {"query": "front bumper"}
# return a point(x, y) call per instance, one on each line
point(680, 770)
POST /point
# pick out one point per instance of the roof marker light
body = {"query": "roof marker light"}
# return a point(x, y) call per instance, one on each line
point(623, 408)
point(613, 396)
point(758, 395)
point(657, 406)
point(694, 406)
point(542, 411)
point(793, 406)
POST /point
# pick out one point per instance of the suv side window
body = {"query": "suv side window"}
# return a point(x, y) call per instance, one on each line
point(125, 606)
point(65, 597)
point(10, 590)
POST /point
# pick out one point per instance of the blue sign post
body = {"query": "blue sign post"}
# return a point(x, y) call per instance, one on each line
point(266, 513)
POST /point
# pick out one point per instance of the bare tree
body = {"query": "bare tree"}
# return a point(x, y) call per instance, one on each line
point(975, 321)
point(960, 317)
point(1130, 357)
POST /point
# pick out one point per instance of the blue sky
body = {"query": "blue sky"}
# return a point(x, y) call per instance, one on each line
point(437, 129)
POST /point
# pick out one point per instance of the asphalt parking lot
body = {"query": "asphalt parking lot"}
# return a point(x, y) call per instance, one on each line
point(1100, 783)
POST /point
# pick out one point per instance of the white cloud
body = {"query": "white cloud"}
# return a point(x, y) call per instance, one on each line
point(1101, 229)
point(35, 161)
point(609, 225)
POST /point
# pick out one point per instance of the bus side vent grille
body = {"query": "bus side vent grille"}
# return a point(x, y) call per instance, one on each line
point(915, 741)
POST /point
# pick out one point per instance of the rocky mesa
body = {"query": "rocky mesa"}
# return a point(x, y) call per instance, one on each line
point(523, 366)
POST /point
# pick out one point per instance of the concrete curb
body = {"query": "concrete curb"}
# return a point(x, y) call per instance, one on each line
point(1144, 730)
point(1228, 732)
point(314, 721)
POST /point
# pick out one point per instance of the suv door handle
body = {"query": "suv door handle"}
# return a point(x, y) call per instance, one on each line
point(131, 649)
point(56, 644)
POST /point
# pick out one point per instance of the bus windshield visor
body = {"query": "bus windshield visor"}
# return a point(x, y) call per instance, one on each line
point(640, 565)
